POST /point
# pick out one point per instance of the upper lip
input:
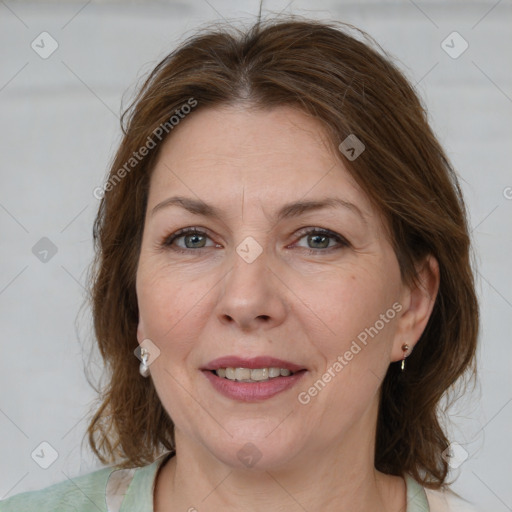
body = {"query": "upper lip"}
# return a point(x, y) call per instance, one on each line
point(252, 363)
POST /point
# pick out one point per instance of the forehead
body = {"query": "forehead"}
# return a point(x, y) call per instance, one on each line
point(273, 155)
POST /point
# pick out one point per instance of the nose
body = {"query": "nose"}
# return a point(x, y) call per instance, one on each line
point(251, 295)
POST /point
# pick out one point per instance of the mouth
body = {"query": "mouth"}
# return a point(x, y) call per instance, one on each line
point(253, 379)
point(253, 374)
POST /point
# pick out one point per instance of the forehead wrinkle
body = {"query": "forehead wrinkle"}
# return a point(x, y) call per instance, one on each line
point(289, 210)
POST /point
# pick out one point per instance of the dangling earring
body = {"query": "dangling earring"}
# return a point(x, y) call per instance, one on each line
point(144, 367)
point(405, 348)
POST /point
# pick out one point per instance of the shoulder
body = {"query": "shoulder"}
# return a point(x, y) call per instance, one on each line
point(104, 490)
point(85, 493)
point(447, 501)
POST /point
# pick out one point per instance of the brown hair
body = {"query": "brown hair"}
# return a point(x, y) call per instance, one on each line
point(352, 89)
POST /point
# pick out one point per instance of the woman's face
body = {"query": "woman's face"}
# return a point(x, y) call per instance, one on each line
point(254, 282)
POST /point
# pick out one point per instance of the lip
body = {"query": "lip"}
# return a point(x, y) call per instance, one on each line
point(252, 363)
point(252, 391)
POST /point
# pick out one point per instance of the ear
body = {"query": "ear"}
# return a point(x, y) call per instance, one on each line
point(418, 301)
point(141, 336)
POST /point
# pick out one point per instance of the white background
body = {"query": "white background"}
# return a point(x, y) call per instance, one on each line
point(59, 131)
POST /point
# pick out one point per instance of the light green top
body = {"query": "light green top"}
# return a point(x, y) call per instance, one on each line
point(126, 490)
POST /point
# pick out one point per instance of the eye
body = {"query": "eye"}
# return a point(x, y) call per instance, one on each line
point(321, 239)
point(193, 238)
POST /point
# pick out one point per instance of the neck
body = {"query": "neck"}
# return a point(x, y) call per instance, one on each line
point(333, 478)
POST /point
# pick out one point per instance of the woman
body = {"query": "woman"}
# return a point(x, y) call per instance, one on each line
point(274, 373)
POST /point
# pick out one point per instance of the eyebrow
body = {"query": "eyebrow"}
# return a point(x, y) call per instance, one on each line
point(287, 211)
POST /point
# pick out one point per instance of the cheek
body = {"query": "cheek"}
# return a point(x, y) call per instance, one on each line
point(169, 315)
point(156, 295)
point(348, 305)
point(354, 346)
point(171, 306)
point(354, 325)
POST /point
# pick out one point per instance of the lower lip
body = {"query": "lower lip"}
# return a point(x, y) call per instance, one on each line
point(252, 391)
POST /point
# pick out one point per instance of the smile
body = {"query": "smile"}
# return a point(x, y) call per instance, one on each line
point(252, 379)
point(252, 374)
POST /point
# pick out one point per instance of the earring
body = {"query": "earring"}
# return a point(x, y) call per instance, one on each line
point(405, 348)
point(144, 367)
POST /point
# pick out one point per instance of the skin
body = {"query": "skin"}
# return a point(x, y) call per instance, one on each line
point(305, 308)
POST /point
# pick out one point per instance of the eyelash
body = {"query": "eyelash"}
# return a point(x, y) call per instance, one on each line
point(168, 240)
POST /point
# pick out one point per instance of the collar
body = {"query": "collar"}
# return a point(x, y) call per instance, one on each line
point(119, 481)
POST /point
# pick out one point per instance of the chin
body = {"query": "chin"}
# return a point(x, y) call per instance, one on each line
point(255, 453)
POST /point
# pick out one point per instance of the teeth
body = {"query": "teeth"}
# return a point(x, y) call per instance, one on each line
point(242, 373)
point(274, 372)
point(252, 375)
point(259, 374)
